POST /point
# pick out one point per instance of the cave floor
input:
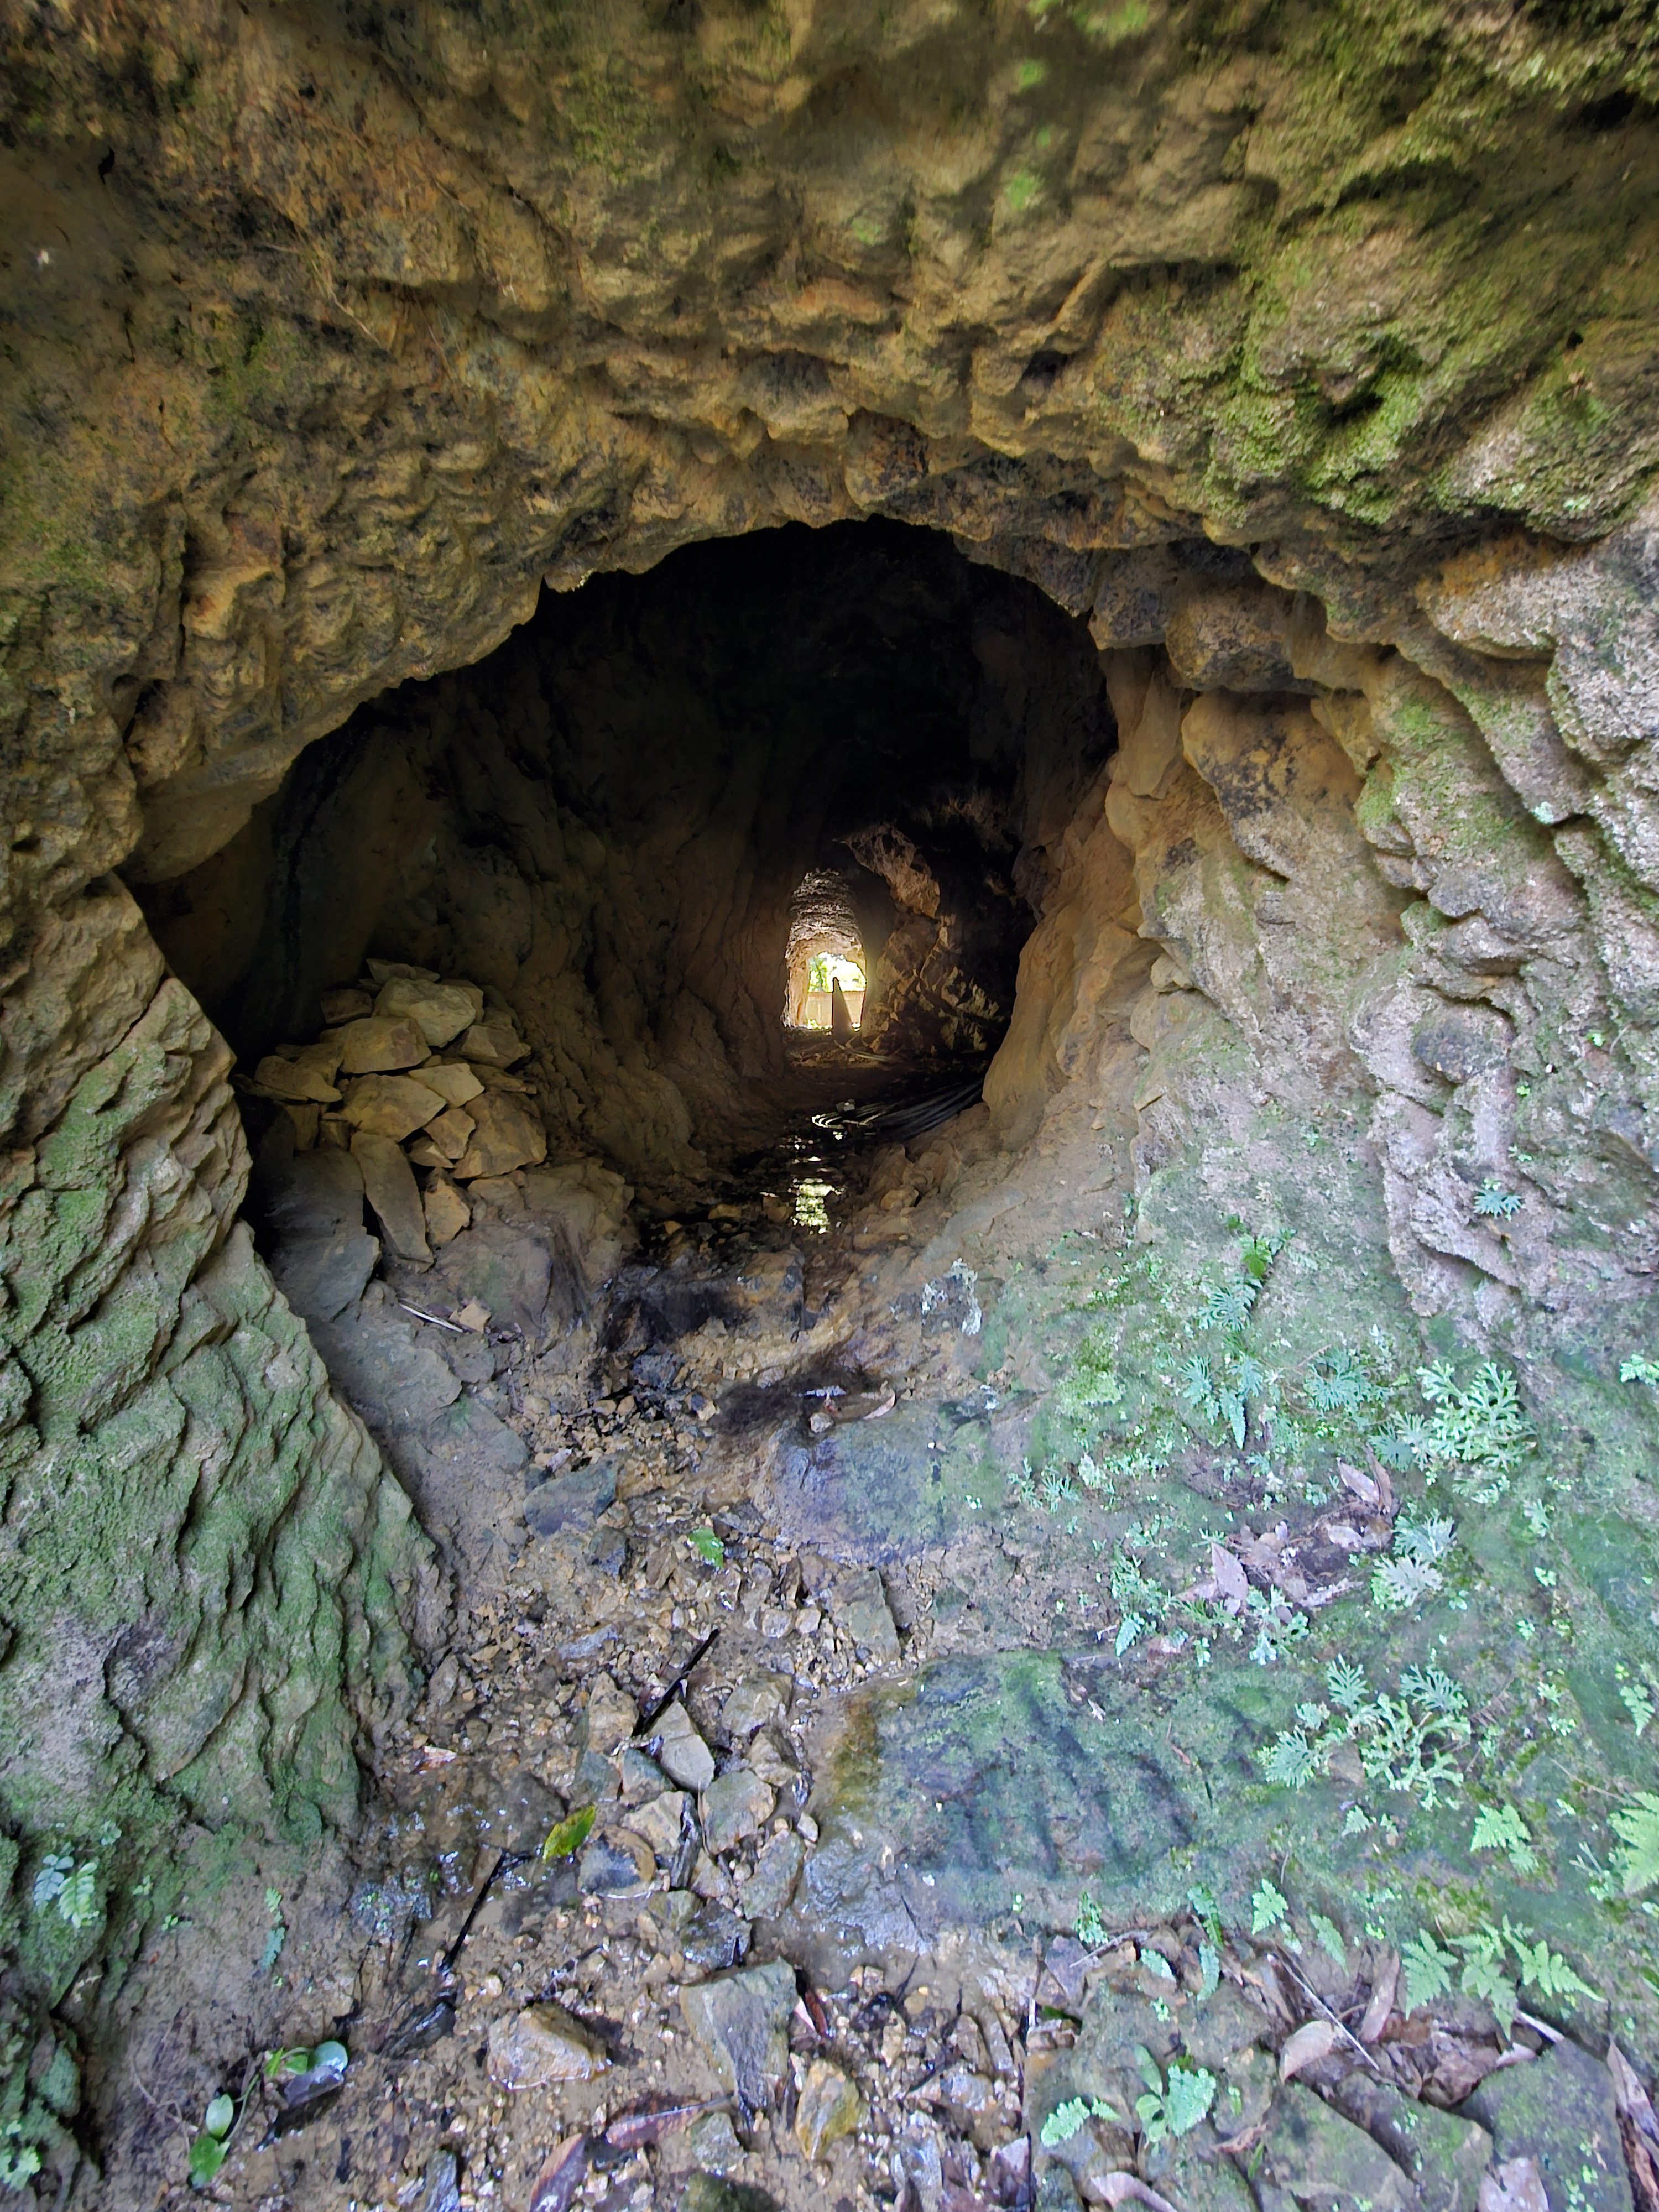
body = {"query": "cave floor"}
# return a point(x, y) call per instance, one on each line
point(979, 1754)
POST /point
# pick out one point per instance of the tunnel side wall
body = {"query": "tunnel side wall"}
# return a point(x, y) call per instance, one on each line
point(309, 398)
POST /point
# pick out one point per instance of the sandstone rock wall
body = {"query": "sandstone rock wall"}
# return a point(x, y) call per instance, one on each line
point(327, 342)
point(1374, 862)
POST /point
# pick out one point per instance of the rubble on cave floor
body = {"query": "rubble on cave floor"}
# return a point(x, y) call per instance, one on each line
point(729, 1848)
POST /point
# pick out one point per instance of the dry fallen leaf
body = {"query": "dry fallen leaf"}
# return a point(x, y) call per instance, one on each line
point(1307, 2047)
point(1262, 1552)
point(561, 2175)
point(1385, 1983)
point(1638, 2129)
point(1124, 2189)
point(1629, 2095)
point(1384, 1483)
point(1517, 2186)
point(1232, 1584)
point(1361, 1485)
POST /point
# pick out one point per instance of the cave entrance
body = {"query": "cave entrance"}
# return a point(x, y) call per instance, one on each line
point(667, 804)
point(825, 957)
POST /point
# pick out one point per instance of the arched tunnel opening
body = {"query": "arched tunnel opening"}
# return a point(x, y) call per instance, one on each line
point(502, 963)
point(825, 949)
point(829, 1134)
point(605, 827)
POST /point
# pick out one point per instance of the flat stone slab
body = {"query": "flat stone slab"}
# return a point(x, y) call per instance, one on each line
point(543, 2043)
point(876, 1492)
point(987, 1778)
point(389, 1186)
point(742, 2019)
point(736, 1804)
point(572, 1501)
point(388, 1368)
point(507, 1269)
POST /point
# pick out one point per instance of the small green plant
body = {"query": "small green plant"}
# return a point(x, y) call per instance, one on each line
point(1329, 1937)
point(1496, 1203)
point(1173, 2103)
point(1501, 1828)
point(1403, 1741)
point(1143, 1379)
point(1481, 1425)
point(1268, 1908)
point(1206, 1911)
point(1070, 2118)
point(208, 2149)
point(1289, 1761)
point(1091, 1927)
point(1638, 1368)
point(1277, 1624)
point(278, 1934)
point(1635, 1698)
point(1338, 1383)
point(1635, 1862)
point(72, 1889)
point(20, 2162)
point(708, 1545)
point(328, 2057)
point(1428, 1971)
point(1413, 1573)
point(1484, 1971)
point(1141, 1604)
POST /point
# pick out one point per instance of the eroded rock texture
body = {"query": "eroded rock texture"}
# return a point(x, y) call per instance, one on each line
point(1309, 354)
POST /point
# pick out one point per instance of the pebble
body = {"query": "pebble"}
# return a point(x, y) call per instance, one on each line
point(506, 1135)
point(756, 1700)
point(864, 1607)
point(391, 1105)
point(446, 1212)
point(540, 2044)
point(713, 1938)
point(294, 1080)
point(735, 1805)
point(765, 1893)
point(713, 2142)
point(610, 1717)
point(452, 1079)
point(741, 2020)
point(831, 2107)
point(389, 1186)
point(439, 1010)
point(642, 1778)
point(682, 1753)
point(659, 1821)
point(376, 1045)
point(616, 1863)
point(496, 1042)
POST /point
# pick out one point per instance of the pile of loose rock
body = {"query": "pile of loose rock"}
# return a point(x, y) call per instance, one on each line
point(413, 1070)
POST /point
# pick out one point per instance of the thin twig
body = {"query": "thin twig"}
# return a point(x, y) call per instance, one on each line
point(1325, 2012)
point(675, 1687)
point(453, 1326)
